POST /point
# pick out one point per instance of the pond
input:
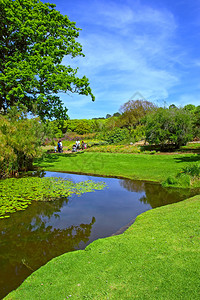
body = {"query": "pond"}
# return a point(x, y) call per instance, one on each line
point(30, 238)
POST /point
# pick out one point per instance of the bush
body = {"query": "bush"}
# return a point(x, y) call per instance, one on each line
point(171, 181)
point(192, 170)
point(183, 181)
point(188, 176)
point(138, 133)
point(171, 127)
point(115, 136)
point(20, 141)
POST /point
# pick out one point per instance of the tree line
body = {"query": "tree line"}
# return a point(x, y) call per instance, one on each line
point(168, 127)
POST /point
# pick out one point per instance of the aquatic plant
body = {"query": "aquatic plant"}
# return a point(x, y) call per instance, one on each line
point(17, 194)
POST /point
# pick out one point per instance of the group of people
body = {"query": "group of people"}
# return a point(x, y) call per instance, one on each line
point(79, 145)
point(59, 147)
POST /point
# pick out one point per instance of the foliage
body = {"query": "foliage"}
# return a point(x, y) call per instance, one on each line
point(98, 125)
point(88, 125)
point(114, 149)
point(186, 177)
point(156, 258)
point(93, 143)
point(171, 127)
point(195, 117)
point(138, 133)
point(133, 111)
point(34, 39)
point(53, 130)
point(192, 170)
point(115, 136)
point(182, 181)
point(20, 141)
point(83, 127)
point(111, 123)
point(196, 122)
point(17, 194)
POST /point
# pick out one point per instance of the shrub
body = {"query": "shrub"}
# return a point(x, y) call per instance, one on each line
point(20, 141)
point(115, 136)
point(188, 176)
point(192, 170)
point(170, 180)
point(171, 127)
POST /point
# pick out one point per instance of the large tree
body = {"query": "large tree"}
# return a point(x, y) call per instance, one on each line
point(34, 38)
point(132, 112)
point(169, 127)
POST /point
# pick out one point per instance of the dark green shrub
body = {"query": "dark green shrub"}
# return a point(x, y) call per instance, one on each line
point(116, 135)
point(170, 181)
point(20, 141)
point(169, 127)
point(192, 170)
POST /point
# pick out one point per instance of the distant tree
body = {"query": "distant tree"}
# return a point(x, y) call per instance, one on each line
point(132, 112)
point(99, 118)
point(196, 122)
point(83, 127)
point(111, 123)
point(117, 114)
point(190, 107)
point(172, 106)
point(169, 127)
point(195, 117)
point(34, 38)
point(98, 125)
point(108, 116)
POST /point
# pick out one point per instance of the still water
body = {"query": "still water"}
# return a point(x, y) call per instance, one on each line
point(30, 238)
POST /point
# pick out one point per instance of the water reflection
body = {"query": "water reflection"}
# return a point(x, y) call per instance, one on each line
point(45, 230)
point(155, 194)
point(27, 241)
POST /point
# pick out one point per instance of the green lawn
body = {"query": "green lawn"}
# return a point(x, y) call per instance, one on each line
point(133, 166)
point(158, 257)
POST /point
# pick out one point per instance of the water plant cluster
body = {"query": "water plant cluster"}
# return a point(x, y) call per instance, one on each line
point(17, 194)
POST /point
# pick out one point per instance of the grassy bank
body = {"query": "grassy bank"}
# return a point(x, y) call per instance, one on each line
point(133, 166)
point(158, 257)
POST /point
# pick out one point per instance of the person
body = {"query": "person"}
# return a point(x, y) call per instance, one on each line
point(77, 144)
point(59, 146)
point(55, 148)
point(74, 148)
point(82, 145)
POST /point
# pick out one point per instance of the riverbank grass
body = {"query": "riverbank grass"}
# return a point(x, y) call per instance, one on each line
point(148, 167)
point(158, 257)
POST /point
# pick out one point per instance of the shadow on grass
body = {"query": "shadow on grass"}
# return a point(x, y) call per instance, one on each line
point(190, 148)
point(163, 148)
point(48, 159)
point(189, 159)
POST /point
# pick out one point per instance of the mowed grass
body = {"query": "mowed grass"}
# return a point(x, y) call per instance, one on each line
point(133, 166)
point(158, 257)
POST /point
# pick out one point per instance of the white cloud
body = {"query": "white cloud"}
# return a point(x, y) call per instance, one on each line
point(129, 47)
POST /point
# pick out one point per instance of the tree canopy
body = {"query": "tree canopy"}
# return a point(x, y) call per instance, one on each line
point(169, 127)
point(34, 38)
point(132, 112)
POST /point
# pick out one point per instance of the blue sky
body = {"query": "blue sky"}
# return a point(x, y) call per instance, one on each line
point(135, 49)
